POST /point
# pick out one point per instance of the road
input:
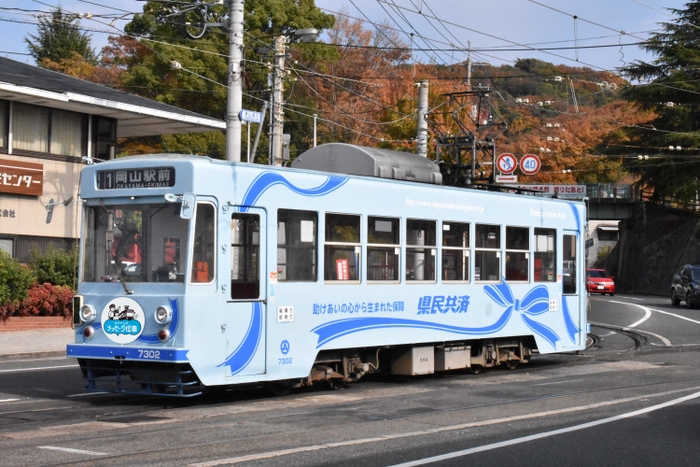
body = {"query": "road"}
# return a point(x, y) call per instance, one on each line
point(631, 399)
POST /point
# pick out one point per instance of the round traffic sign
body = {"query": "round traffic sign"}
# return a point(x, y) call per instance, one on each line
point(530, 164)
point(507, 163)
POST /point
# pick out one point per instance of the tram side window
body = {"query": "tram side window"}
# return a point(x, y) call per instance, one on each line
point(296, 245)
point(203, 266)
point(455, 251)
point(487, 254)
point(342, 248)
point(383, 249)
point(245, 256)
point(420, 250)
point(545, 255)
point(569, 271)
point(517, 253)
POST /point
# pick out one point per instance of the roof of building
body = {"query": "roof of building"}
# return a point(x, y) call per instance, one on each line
point(137, 115)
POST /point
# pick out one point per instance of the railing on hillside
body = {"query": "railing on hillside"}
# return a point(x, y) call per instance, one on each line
point(611, 190)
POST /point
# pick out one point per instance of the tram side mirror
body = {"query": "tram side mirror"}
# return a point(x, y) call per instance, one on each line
point(188, 203)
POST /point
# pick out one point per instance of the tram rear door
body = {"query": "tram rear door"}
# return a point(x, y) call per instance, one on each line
point(245, 310)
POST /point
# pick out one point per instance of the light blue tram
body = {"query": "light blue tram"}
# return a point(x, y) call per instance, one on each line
point(197, 272)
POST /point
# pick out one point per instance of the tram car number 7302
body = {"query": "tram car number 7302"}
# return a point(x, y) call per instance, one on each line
point(197, 273)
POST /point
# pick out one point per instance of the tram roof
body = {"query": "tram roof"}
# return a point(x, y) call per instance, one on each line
point(352, 159)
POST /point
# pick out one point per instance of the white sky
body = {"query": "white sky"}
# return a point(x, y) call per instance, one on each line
point(444, 24)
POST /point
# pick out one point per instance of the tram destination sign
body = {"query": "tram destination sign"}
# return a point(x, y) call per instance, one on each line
point(147, 177)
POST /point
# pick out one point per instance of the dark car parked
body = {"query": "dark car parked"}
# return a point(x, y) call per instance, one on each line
point(686, 286)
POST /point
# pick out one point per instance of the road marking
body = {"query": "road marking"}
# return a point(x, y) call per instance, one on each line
point(546, 434)
point(676, 316)
point(8, 400)
point(39, 368)
point(558, 382)
point(74, 451)
point(432, 431)
point(86, 394)
point(647, 314)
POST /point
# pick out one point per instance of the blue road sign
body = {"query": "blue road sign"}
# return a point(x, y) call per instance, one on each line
point(250, 116)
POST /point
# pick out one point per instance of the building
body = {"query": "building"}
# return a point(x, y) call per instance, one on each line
point(50, 126)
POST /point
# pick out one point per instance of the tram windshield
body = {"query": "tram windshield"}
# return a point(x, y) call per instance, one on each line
point(134, 243)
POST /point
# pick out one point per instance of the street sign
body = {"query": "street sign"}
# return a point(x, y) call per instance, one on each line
point(507, 163)
point(530, 164)
point(250, 116)
point(506, 179)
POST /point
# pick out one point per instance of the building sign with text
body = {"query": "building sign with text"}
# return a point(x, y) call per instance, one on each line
point(21, 178)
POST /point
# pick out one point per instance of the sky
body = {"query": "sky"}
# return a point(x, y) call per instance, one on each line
point(593, 33)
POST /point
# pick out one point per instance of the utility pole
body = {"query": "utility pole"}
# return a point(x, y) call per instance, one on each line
point(234, 102)
point(276, 112)
point(422, 133)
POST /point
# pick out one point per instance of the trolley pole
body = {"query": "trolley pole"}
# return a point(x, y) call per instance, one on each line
point(234, 102)
point(422, 133)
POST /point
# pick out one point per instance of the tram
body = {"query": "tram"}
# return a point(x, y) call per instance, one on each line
point(199, 273)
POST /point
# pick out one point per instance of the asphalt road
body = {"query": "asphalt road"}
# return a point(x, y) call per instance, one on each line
point(631, 399)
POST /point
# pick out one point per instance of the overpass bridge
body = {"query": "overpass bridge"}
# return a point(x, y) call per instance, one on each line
point(607, 202)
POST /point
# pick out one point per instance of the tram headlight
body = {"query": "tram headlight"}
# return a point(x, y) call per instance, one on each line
point(88, 313)
point(163, 315)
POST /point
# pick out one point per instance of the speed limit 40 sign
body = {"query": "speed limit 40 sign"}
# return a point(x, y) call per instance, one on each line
point(530, 164)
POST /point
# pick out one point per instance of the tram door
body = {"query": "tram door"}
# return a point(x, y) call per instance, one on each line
point(572, 265)
point(245, 311)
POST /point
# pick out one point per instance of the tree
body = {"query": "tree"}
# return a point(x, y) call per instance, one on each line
point(670, 100)
point(58, 39)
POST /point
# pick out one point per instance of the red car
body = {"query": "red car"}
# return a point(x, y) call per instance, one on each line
point(599, 281)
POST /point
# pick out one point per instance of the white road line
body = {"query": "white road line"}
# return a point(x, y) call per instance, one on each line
point(86, 394)
point(39, 368)
point(432, 431)
point(546, 434)
point(558, 382)
point(647, 314)
point(74, 451)
point(8, 400)
point(676, 316)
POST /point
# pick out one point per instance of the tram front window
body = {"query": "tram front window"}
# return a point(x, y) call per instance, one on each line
point(139, 243)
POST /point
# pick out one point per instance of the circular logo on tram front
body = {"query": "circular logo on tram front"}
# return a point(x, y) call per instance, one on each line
point(123, 320)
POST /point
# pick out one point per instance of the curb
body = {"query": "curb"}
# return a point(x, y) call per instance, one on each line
point(30, 355)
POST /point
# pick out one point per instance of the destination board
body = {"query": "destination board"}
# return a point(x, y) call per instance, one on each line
point(148, 177)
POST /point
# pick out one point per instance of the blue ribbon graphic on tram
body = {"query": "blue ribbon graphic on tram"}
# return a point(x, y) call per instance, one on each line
point(267, 180)
point(335, 329)
point(153, 338)
point(242, 356)
point(534, 303)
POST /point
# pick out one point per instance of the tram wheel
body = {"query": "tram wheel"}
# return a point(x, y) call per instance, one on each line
point(475, 369)
point(512, 364)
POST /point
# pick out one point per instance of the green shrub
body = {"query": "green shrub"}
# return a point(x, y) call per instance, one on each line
point(15, 280)
point(57, 267)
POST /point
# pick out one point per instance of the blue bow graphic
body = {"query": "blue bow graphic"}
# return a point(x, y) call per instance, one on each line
point(534, 303)
point(267, 180)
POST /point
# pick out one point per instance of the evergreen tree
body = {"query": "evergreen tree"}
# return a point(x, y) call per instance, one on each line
point(58, 39)
point(670, 96)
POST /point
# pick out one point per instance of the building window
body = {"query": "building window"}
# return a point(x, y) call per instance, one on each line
point(104, 138)
point(455, 251)
point(4, 123)
point(30, 127)
point(8, 245)
point(420, 250)
point(517, 253)
point(296, 245)
point(487, 253)
point(53, 131)
point(545, 257)
point(342, 248)
point(383, 249)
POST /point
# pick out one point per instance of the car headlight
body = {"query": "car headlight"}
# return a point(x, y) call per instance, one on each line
point(88, 313)
point(163, 315)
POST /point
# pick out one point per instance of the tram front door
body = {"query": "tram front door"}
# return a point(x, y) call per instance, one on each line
point(245, 310)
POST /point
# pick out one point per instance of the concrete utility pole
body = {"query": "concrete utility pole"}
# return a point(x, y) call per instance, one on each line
point(276, 112)
point(234, 102)
point(422, 133)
